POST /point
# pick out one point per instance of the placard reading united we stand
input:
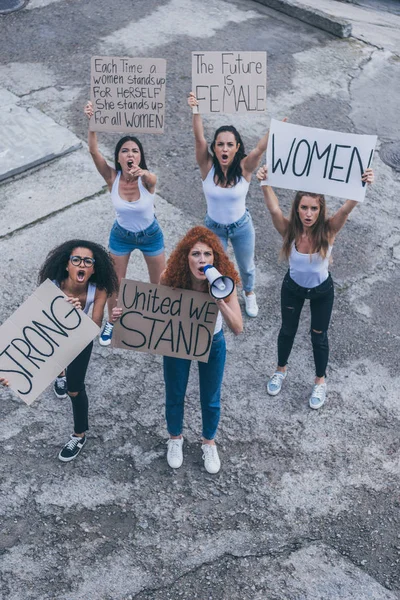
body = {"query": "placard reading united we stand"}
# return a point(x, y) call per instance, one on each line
point(230, 82)
point(128, 94)
point(162, 320)
point(318, 160)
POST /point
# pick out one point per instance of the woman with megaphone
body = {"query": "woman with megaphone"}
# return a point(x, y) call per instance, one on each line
point(187, 269)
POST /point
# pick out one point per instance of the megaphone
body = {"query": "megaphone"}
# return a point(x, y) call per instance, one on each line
point(221, 286)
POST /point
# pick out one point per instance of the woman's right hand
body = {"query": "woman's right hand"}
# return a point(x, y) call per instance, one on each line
point(88, 110)
point(116, 314)
point(4, 381)
point(192, 100)
point(262, 173)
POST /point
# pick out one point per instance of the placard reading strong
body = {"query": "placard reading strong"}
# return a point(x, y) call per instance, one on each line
point(162, 320)
point(128, 94)
point(230, 82)
point(40, 339)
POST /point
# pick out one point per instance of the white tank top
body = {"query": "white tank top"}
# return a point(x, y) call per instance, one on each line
point(137, 215)
point(218, 323)
point(225, 205)
point(307, 270)
point(91, 292)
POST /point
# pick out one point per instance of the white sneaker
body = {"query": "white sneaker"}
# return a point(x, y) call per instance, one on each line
point(251, 304)
point(212, 463)
point(175, 453)
point(274, 384)
point(318, 395)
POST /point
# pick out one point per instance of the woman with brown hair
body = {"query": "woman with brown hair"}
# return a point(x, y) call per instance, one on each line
point(308, 236)
point(185, 269)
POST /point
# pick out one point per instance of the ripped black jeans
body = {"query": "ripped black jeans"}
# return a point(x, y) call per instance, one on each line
point(76, 373)
point(321, 303)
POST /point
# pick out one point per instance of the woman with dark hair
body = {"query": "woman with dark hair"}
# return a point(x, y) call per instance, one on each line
point(185, 269)
point(226, 174)
point(308, 236)
point(132, 189)
point(85, 273)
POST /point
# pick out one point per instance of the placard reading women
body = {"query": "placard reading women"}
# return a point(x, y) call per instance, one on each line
point(230, 82)
point(162, 320)
point(318, 160)
point(128, 94)
point(40, 339)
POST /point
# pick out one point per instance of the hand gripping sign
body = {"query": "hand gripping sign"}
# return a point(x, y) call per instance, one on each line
point(40, 339)
point(318, 160)
point(162, 320)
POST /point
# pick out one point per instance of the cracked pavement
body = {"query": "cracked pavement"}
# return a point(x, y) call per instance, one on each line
point(306, 506)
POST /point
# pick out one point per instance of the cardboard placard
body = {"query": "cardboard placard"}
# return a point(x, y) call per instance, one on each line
point(40, 339)
point(162, 320)
point(318, 160)
point(230, 82)
point(128, 94)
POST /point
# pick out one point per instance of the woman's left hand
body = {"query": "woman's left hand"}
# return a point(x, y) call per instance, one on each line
point(4, 381)
point(368, 176)
point(116, 314)
point(75, 303)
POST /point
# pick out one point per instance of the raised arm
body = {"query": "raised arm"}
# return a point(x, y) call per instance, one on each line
point(337, 221)
point(231, 313)
point(279, 221)
point(252, 160)
point(107, 172)
point(203, 157)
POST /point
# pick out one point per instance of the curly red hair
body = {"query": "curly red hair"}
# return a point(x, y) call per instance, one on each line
point(177, 272)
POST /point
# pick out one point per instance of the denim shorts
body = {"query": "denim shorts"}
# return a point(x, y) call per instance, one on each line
point(150, 241)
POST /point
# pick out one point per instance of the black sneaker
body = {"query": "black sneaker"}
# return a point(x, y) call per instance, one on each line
point(72, 448)
point(60, 387)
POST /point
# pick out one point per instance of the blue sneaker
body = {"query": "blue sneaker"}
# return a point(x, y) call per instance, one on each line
point(318, 395)
point(274, 385)
point(106, 334)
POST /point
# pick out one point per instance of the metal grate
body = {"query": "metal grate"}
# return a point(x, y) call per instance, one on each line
point(7, 6)
point(390, 154)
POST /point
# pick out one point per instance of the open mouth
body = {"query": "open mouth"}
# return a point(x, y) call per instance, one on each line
point(130, 164)
point(224, 157)
point(201, 269)
point(81, 275)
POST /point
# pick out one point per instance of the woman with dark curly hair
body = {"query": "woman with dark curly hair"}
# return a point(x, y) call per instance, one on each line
point(85, 273)
point(308, 236)
point(226, 174)
point(132, 189)
point(185, 269)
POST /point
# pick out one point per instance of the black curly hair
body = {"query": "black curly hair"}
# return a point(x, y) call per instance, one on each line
point(54, 267)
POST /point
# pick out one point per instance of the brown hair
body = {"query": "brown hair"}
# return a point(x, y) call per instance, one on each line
point(319, 231)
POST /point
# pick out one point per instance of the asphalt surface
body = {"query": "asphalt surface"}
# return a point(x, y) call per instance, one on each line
point(306, 505)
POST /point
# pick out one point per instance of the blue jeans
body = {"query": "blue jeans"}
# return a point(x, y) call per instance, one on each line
point(242, 236)
point(150, 241)
point(176, 376)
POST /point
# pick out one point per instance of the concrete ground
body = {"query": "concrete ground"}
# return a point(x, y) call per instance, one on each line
point(306, 505)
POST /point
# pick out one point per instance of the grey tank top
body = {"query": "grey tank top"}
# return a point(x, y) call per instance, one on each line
point(91, 292)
